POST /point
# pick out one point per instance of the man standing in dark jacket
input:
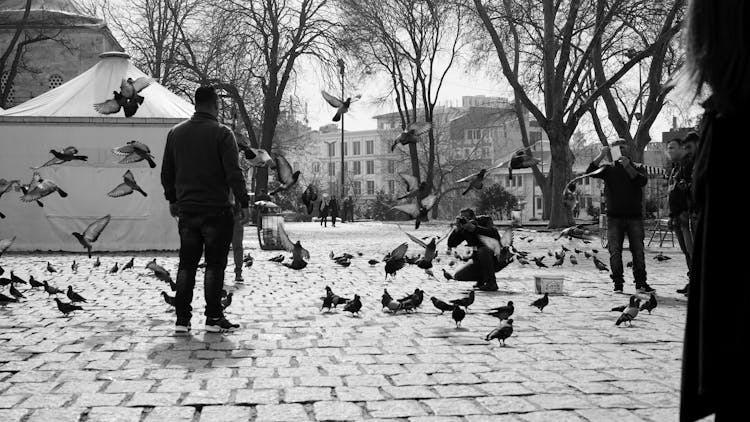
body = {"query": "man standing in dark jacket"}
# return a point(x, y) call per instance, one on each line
point(623, 185)
point(200, 167)
point(678, 198)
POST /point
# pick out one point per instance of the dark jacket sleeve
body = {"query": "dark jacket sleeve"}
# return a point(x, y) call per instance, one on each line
point(641, 179)
point(168, 171)
point(593, 167)
point(455, 238)
point(230, 161)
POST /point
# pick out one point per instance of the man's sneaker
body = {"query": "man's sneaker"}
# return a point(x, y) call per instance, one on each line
point(220, 325)
point(684, 290)
point(181, 327)
point(645, 288)
point(618, 288)
point(238, 278)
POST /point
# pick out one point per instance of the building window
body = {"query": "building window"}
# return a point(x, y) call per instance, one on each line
point(357, 169)
point(370, 167)
point(316, 167)
point(517, 181)
point(391, 166)
point(332, 149)
point(472, 134)
point(355, 148)
point(55, 81)
point(370, 147)
point(346, 149)
point(391, 187)
point(535, 136)
point(587, 181)
point(331, 169)
point(538, 205)
point(370, 187)
point(357, 188)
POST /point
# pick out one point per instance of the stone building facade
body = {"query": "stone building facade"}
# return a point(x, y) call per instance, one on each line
point(77, 40)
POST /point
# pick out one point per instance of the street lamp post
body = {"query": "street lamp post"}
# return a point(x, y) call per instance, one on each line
point(341, 72)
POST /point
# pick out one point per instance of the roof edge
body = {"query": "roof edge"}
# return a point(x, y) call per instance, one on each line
point(119, 121)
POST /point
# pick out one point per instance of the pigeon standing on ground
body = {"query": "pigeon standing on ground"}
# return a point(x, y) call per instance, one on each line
point(114, 269)
point(92, 232)
point(34, 283)
point(541, 302)
point(226, 301)
point(502, 332)
point(168, 299)
point(74, 266)
point(539, 262)
point(447, 275)
point(440, 305)
point(650, 304)
point(73, 296)
point(97, 263)
point(464, 301)
point(573, 260)
point(630, 312)
point(51, 290)
point(458, 314)
point(354, 306)
point(50, 268)
point(661, 257)
point(502, 312)
point(15, 293)
point(129, 264)
point(7, 299)
point(67, 308)
point(395, 260)
point(600, 265)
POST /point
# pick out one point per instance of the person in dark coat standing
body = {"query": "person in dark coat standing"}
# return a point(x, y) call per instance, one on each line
point(334, 205)
point(323, 210)
point(715, 364)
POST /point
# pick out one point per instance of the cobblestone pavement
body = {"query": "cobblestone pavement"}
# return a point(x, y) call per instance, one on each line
point(118, 360)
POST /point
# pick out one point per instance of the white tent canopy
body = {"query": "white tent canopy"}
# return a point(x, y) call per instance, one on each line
point(65, 117)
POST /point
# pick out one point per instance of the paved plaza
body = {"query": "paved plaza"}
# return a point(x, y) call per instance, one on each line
point(118, 360)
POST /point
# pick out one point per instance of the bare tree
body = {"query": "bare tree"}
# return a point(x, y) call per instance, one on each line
point(557, 43)
point(415, 43)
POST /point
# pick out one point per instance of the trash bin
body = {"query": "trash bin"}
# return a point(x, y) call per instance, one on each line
point(268, 220)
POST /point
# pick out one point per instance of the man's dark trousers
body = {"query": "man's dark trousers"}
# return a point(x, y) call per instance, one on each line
point(617, 228)
point(211, 231)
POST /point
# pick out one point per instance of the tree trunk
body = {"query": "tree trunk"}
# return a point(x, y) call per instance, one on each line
point(559, 176)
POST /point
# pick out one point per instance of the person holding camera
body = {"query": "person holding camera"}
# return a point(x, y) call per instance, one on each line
point(623, 183)
point(484, 263)
point(678, 192)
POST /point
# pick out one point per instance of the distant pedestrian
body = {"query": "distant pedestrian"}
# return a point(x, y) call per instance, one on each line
point(623, 184)
point(718, 33)
point(678, 194)
point(323, 210)
point(199, 169)
point(334, 210)
point(348, 210)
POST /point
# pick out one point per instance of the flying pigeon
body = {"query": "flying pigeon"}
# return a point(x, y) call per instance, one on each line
point(430, 249)
point(256, 157)
point(67, 154)
point(92, 232)
point(133, 152)
point(39, 188)
point(342, 106)
point(411, 134)
point(413, 189)
point(127, 187)
point(299, 254)
point(475, 181)
point(419, 209)
point(284, 175)
point(128, 98)
point(395, 260)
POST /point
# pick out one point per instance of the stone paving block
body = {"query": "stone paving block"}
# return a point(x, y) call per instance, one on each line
point(506, 404)
point(413, 379)
point(99, 399)
point(80, 387)
point(621, 415)
point(504, 389)
point(277, 383)
point(253, 396)
point(36, 401)
point(31, 376)
point(153, 399)
point(658, 399)
point(115, 414)
point(226, 383)
point(206, 397)
point(320, 381)
point(281, 413)
point(7, 401)
point(336, 411)
point(456, 378)
point(56, 415)
point(366, 381)
point(13, 415)
point(225, 413)
point(446, 391)
point(552, 415)
point(306, 394)
point(559, 401)
point(395, 408)
point(178, 385)
point(454, 406)
point(30, 388)
point(492, 418)
point(606, 401)
point(358, 393)
point(436, 419)
point(409, 392)
point(175, 413)
point(129, 386)
point(662, 415)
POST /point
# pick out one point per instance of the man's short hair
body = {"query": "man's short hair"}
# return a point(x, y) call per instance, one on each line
point(619, 142)
point(206, 95)
point(468, 211)
point(691, 137)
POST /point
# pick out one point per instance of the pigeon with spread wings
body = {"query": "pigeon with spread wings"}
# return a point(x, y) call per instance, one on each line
point(134, 152)
point(67, 154)
point(256, 157)
point(395, 261)
point(430, 249)
point(39, 188)
point(299, 254)
point(92, 232)
point(413, 188)
point(128, 98)
point(412, 133)
point(284, 175)
point(342, 106)
point(419, 209)
point(127, 187)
